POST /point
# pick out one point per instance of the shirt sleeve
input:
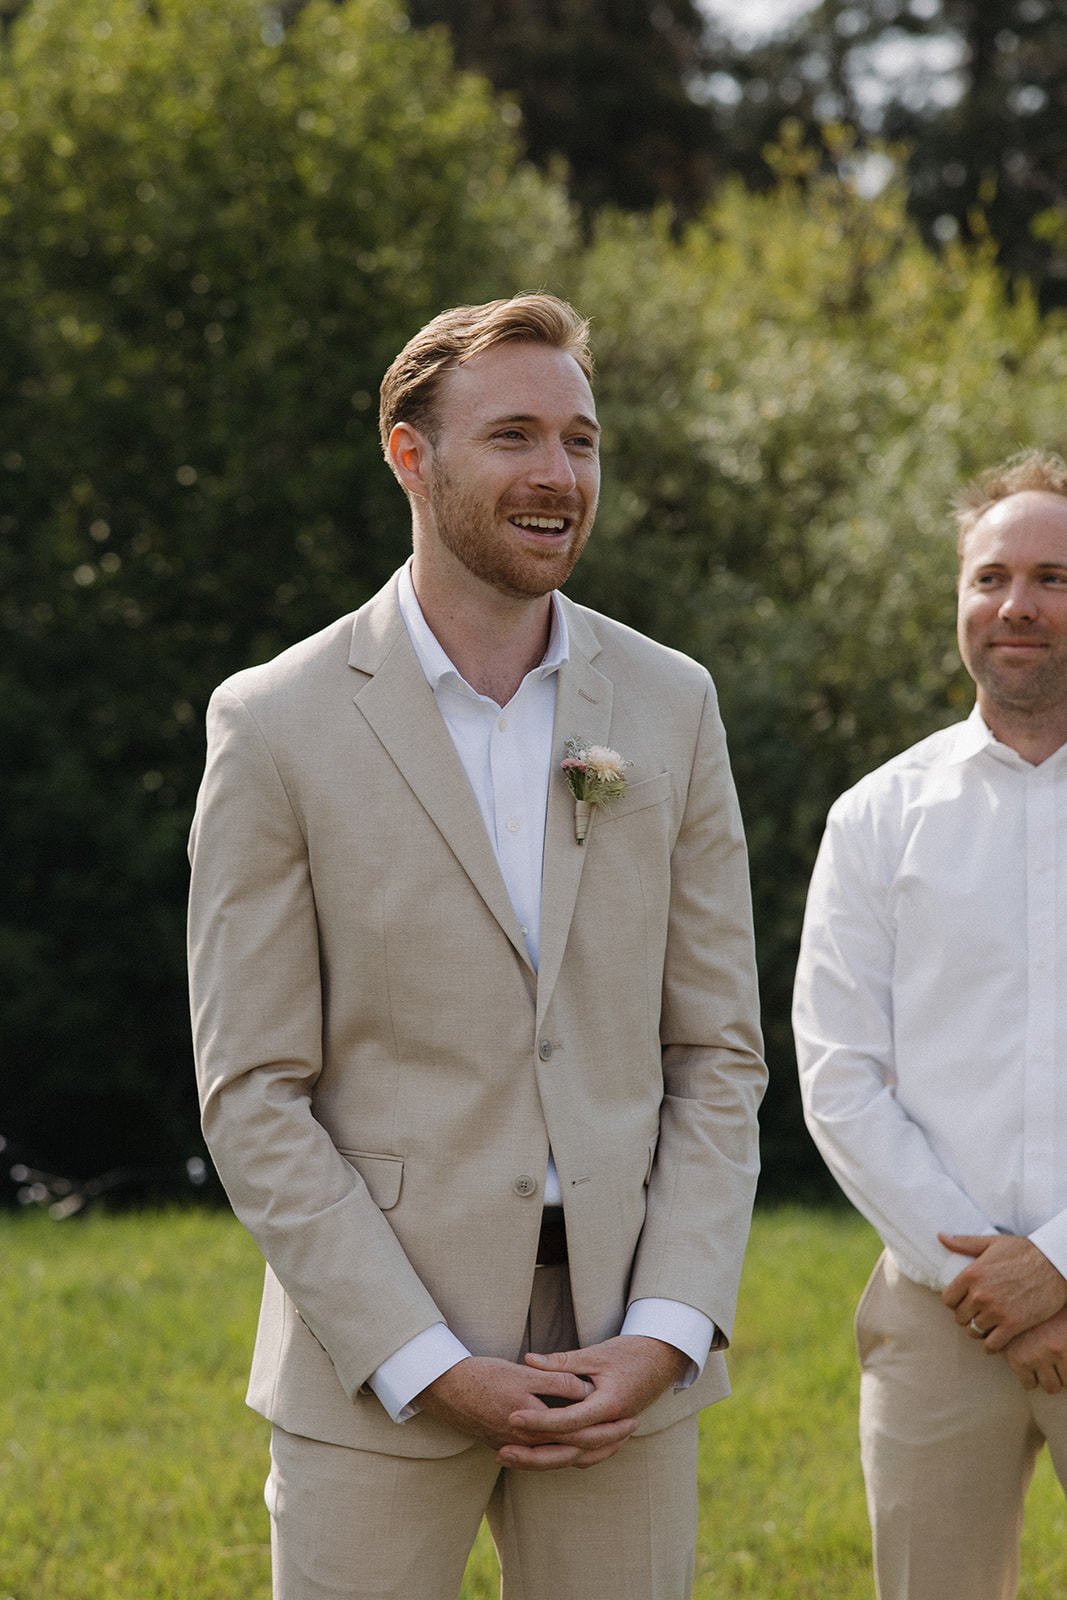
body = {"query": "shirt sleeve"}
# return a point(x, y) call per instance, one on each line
point(416, 1364)
point(843, 1021)
point(682, 1326)
point(1051, 1240)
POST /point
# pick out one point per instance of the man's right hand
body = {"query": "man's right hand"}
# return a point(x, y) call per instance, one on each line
point(1039, 1356)
point(478, 1395)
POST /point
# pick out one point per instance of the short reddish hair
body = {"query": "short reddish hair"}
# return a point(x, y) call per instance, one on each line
point(410, 387)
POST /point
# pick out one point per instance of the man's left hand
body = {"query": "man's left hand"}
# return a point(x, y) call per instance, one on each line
point(627, 1374)
point(1009, 1287)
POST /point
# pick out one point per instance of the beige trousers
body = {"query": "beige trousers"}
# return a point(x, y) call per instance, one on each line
point(948, 1439)
point(358, 1525)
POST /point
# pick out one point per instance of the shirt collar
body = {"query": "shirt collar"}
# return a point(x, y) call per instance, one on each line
point(975, 736)
point(970, 738)
point(435, 663)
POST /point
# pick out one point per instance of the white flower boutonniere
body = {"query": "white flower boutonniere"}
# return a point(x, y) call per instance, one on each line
point(595, 775)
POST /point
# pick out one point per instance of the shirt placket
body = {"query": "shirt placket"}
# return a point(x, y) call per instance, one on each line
point(513, 822)
point(1039, 1113)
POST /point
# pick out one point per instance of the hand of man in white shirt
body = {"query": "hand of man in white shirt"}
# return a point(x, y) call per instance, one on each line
point(1009, 1287)
point(1039, 1356)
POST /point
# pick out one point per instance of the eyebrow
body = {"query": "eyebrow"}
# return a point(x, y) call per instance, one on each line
point(995, 565)
point(589, 424)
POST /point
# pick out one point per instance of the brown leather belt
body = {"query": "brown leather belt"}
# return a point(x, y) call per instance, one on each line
point(552, 1240)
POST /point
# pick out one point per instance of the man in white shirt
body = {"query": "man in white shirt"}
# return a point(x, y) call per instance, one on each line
point(931, 1022)
point(481, 1082)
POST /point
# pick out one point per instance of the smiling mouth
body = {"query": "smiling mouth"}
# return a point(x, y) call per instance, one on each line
point(540, 524)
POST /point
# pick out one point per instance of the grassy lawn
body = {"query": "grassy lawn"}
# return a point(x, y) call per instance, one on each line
point(130, 1468)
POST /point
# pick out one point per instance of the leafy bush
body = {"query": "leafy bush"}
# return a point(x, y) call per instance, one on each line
point(213, 239)
point(791, 394)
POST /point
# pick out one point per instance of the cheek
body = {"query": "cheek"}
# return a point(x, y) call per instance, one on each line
point(977, 613)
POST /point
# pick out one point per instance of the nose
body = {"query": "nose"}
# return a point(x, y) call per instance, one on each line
point(553, 470)
point(1019, 604)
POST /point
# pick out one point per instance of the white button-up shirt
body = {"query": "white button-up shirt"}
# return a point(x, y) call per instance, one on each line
point(930, 1006)
point(507, 756)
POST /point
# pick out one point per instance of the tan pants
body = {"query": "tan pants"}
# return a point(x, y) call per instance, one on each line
point(948, 1440)
point(357, 1525)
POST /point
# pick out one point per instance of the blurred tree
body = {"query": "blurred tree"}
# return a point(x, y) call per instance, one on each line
point(215, 231)
point(790, 394)
point(602, 83)
point(214, 235)
point(976, 89)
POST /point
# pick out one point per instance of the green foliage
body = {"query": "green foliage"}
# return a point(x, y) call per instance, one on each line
point(791, 394)
point(213, 239)
point(972, 90)
point(214, 235)
point(604, 84)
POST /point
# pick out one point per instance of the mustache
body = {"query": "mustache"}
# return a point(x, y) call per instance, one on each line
point(568, 505)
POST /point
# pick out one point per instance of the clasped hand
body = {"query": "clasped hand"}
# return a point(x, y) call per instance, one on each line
point(603, 1390)
point(1012, 1290)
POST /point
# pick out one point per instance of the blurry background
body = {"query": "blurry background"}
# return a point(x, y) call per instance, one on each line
point(824, 247)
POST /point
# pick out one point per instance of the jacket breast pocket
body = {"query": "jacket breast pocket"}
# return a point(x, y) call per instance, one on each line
point(383, 1175)
point(649, 792)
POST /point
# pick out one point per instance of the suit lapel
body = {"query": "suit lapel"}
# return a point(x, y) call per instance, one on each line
point(583, 709)
point(399, 705)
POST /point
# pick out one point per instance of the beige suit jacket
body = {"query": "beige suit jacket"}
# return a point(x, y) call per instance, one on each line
point(382, 1073)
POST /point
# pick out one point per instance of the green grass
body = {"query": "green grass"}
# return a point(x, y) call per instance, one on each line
point(131, 1470)
point(129, 1467)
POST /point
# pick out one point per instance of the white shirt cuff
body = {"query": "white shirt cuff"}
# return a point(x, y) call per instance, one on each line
point(409, 1370)
point(1051, 1240)
point(686, 1328)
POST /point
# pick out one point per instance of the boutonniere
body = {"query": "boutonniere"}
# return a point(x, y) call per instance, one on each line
point(595, 775)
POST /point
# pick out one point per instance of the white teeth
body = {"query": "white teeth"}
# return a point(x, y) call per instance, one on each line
point(545, 524)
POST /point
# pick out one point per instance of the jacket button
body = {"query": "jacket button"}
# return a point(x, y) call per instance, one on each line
point(544, 1049)
point(524, 1184)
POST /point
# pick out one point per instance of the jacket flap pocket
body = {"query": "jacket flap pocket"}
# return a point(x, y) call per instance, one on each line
point(381, 1174)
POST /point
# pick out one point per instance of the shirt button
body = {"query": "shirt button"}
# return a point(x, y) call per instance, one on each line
point(502, 725)
point(513, 824)
point(524, 1184)
point(544, 1049)
point(524, 930)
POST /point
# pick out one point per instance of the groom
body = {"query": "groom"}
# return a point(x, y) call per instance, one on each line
point(484, 1095)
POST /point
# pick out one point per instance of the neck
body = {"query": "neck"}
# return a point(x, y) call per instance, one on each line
point(1034, 736)
point(492, 639)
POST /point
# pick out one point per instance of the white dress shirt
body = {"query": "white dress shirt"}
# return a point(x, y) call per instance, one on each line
point(931, 1039)
point(507, 756)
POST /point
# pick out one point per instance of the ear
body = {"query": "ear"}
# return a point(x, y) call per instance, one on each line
point(410, 454)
